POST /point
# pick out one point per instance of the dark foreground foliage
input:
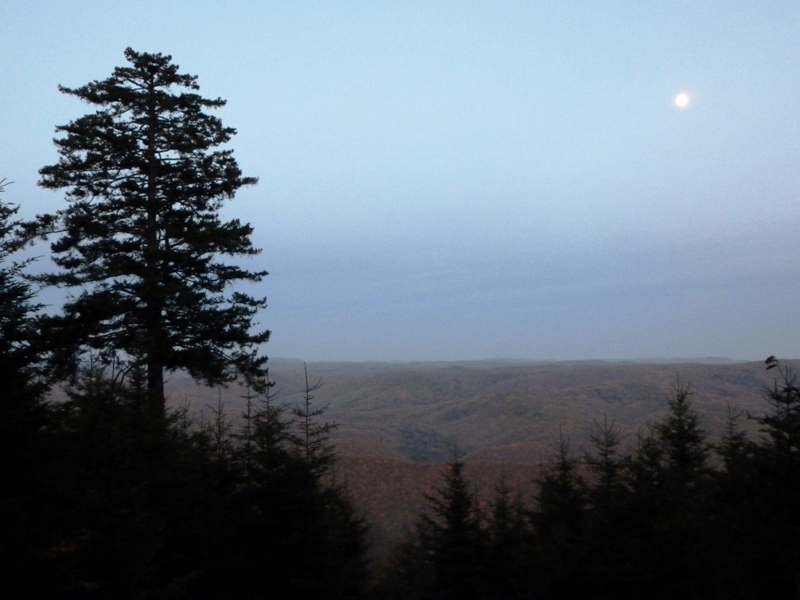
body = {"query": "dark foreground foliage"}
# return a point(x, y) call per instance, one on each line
point(674, 517)
point(119, 504)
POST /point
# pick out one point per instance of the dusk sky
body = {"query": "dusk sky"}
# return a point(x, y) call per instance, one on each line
point(468, 180)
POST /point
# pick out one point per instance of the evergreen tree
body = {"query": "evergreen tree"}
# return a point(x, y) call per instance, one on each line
point(776, 498)
point(289, 532)
point(737, 521)
point(608, 518)
point(609, 467)
point(669, 511)
point(313, 441)
point(509, 545)
point(21, 353)
point(130, 495)
point(23, 412)
point(735, 449)
point(782, 425)
point(451, 543)
point(142, 231)
point(682, 440)
point(559, 524)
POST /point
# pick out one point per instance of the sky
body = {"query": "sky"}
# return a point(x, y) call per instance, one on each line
point(470, 180)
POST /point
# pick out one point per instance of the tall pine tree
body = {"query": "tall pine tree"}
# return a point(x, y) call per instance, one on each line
point(142, 231)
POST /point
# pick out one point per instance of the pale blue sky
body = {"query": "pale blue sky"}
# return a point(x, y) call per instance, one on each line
point(459, 180)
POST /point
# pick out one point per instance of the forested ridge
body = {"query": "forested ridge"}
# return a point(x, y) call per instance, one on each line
point(675, 516)
point(110, 492)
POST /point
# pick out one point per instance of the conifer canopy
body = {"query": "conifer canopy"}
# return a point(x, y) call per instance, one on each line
point(142, 234)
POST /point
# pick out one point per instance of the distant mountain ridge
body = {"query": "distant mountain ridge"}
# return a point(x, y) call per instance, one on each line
point(491, 406)
point(496, 362)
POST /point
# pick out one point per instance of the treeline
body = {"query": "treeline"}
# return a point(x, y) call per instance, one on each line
point(105, 495)
point(102, 499)
point(672, 517)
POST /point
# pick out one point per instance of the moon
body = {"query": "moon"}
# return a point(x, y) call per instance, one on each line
point(681, 100)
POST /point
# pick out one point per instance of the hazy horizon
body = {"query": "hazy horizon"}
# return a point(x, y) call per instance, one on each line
point(709, 360)
point(457, 181)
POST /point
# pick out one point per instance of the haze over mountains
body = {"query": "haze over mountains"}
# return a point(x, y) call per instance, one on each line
point(418, 410)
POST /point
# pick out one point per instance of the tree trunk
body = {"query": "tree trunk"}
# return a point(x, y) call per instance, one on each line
point(153, 326)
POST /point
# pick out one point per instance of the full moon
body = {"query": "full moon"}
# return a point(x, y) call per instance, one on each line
point(681, 100)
